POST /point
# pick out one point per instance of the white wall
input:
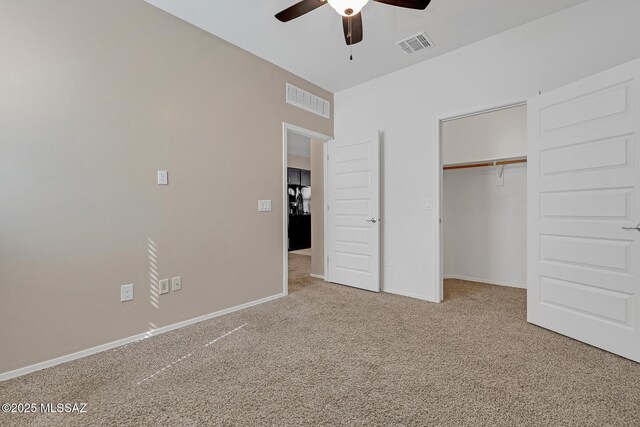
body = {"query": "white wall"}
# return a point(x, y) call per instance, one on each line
point(496, 135)
point(503, 69)
point(485, 225)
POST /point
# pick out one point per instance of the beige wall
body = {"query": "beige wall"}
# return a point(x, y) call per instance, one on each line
point(317, 208)
point(95, 97)
point(299, 162)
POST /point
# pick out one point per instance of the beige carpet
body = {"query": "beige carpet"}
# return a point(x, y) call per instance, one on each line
point(333, 355)
point(306, 252)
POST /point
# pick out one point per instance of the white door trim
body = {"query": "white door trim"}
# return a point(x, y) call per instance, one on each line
point(437, 204)
point(286, 127)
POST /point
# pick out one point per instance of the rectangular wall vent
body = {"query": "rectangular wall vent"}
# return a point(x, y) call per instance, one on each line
point(305, 100)
point(415, 43)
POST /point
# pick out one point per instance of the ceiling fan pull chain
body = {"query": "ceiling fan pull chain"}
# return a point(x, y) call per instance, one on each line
point(350, 41)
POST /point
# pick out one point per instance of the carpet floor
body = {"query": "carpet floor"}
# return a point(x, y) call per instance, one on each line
point(333, 355)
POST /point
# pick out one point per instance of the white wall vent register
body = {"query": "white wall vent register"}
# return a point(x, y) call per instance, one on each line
point(415, 43)
point(307, 101)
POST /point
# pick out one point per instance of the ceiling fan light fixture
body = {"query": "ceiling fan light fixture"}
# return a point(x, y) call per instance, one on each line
point(348, 7)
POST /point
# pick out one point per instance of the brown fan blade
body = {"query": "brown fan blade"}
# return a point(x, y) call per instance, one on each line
point(299, 9)
point(353, 32)
point(409, 4)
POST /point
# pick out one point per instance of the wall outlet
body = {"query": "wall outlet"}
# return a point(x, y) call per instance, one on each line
point(163, 286)
point(126, 293)
point(176, 283)
point(163, 178)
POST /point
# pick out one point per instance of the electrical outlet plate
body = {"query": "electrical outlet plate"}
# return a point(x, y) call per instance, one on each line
point(163, 286)
point(126, 292)
point(176, 283)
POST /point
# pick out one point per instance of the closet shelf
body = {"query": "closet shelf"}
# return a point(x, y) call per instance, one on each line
point(499, 162)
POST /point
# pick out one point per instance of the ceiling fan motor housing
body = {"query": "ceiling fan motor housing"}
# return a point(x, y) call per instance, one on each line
point(348, 7)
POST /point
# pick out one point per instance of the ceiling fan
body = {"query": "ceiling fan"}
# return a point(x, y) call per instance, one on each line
point(350, 11)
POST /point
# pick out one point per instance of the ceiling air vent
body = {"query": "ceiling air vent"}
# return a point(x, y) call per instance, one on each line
point(303, 99)
point(415, 43)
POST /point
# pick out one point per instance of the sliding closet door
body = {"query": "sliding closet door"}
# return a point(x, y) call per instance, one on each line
point(584, 211)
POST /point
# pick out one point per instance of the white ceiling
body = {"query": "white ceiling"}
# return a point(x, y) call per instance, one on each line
point(313, 46)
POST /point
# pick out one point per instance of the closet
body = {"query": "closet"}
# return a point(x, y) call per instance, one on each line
point(484, 197)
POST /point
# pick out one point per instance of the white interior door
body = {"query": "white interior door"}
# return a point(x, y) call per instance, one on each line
point(353, 215)
point(583, 183)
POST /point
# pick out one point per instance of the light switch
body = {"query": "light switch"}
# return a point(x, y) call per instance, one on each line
point(264, 205)
point(163, 286)
point(428, 204)
point(163, 178)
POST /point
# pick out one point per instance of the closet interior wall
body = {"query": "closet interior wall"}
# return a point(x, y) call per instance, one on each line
point(484, 197)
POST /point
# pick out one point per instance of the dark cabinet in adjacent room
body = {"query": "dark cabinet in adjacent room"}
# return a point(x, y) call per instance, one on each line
point(293, 176)
point(305, 178)
point(299, 213)
point(300, 177)
point(299, 232)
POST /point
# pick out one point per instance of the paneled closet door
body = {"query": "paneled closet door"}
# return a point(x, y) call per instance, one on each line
point(584, 211)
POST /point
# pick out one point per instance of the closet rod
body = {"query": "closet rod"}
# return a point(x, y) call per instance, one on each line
point(485, 164)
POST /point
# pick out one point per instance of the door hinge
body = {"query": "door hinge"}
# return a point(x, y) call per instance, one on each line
point(327, 260)
point(328, 208)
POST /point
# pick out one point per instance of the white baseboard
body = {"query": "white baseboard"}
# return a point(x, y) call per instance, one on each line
point(317, 276)
point(409, 294)
point(490, 282)
point(114, 344)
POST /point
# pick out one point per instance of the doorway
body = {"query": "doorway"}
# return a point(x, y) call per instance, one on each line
point(304, 198)
point(482, 199)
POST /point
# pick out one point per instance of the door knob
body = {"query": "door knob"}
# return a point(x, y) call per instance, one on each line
point(637, 227)
point(374, 220)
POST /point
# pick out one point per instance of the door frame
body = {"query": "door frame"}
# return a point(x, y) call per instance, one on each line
point(437, 208)
point(286, 127)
